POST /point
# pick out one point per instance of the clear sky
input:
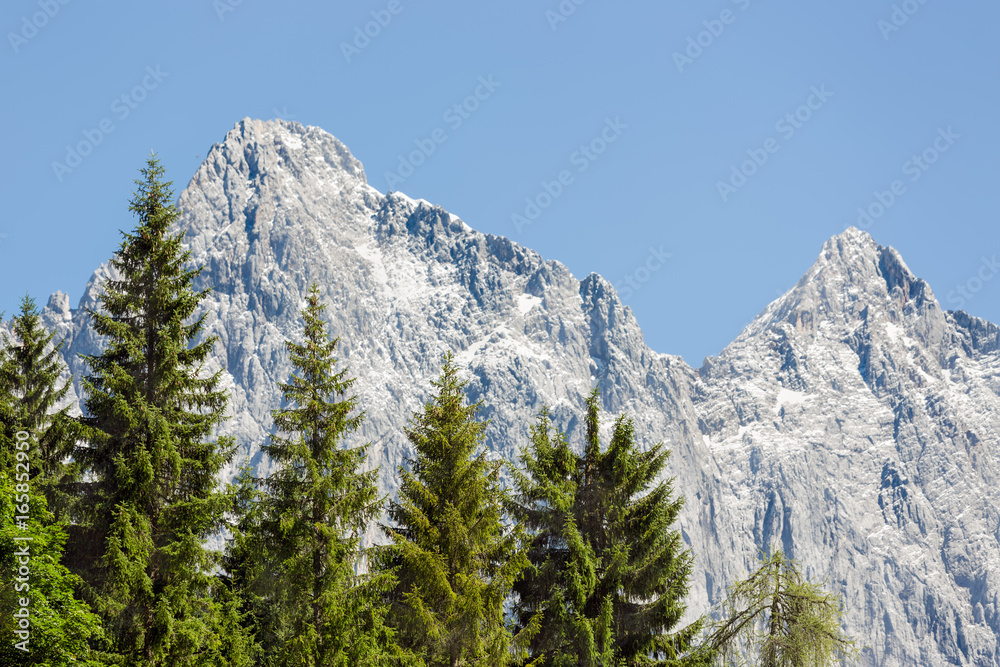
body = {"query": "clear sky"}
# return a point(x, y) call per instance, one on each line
point(829, 102)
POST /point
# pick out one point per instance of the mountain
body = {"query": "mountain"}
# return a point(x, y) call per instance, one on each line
point(854, 423)
point(857, 425)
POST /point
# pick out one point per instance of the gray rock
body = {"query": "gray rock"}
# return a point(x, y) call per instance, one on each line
point(853, 423)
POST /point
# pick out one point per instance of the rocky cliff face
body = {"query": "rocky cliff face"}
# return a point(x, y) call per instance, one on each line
point(854, 423)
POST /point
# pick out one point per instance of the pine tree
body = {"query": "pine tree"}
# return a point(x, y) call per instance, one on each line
point(7, 408)
point(307, 521)
point(41, 619)
point(563, 577)
point(151, 407)
point(776, 618)
point(248, 581)
point(455, 559)
point(30, 367)
point(608, 570)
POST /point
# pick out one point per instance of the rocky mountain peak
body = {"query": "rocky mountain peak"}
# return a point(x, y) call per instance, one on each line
point(266, 145)
point(58, 305)
point(261, 167)
point(853, 422)
point(852, 278)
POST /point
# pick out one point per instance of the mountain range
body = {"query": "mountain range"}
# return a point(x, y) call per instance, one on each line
point(853, 423)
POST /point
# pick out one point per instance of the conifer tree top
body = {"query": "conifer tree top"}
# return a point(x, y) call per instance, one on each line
point(152, 496)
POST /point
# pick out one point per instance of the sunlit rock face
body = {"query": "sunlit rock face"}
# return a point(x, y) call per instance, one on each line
point(853, 424)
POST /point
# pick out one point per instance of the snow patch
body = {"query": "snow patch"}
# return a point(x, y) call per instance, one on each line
point(526, 302)
point(410, 200)
point(454, 218)
point(404, 197)
point(465, 357)
point(789, 397)
point(374, 257)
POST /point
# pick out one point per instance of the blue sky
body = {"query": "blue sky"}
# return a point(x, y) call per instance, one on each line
point(643, 110)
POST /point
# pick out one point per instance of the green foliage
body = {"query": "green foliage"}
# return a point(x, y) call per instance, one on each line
point(30, 367)
point(230, 644)
point(554, 592)
point(298, 547)
point(776, 618)
point(246, 555)
point(59, 626)
point(150, 498)
point(608, 574)
point(455, 559)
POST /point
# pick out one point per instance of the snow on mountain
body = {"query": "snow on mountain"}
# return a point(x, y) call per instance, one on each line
point(853, 423)
point(859, 424)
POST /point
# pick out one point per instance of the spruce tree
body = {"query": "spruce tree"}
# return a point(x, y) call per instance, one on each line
point(246, 579)
point(151, 496)
point(455, 558)
point(563, 576)
point(30, 368)
point(608, 570)
point(298, 549)
point(40, 618)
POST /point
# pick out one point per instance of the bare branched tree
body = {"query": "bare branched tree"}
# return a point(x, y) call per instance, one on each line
point(776, 618)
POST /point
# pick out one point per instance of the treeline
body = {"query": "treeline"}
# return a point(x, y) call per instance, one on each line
point(104, 518)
